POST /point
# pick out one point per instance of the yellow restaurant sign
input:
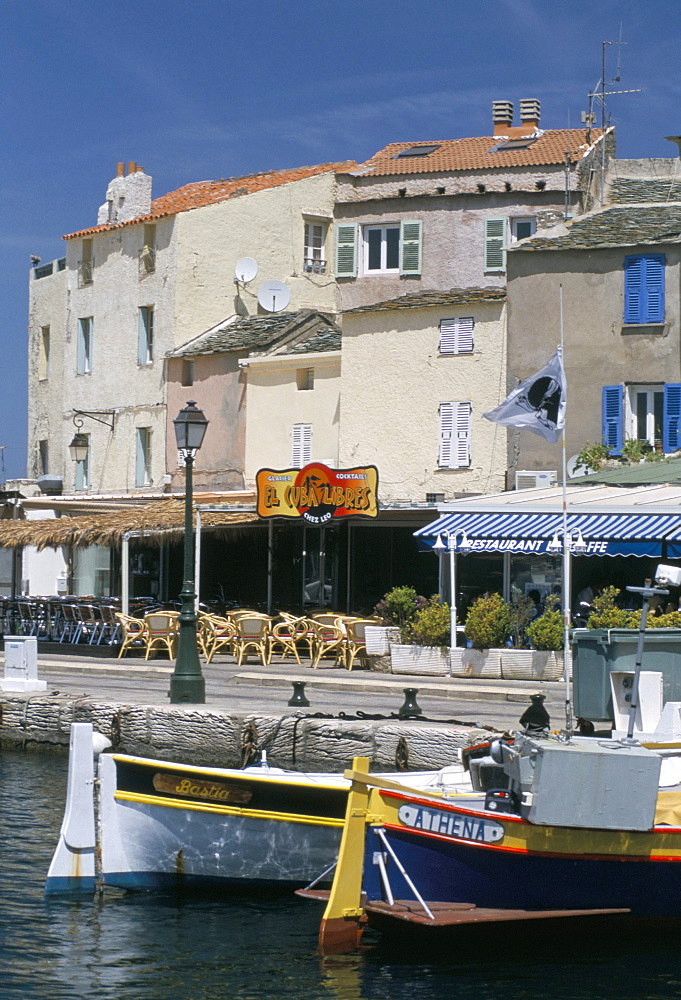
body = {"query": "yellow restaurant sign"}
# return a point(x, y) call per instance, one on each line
point(317, 493)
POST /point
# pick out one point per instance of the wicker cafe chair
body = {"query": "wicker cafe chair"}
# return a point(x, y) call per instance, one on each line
point(286, 635)
point(214, 635)
point(327, 639)
point(252, 634)
point(224, 632)
point(355, 641)
point(161, 632)
point(134, 632)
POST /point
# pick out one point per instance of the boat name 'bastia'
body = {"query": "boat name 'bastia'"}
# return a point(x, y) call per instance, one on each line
point(451, 824)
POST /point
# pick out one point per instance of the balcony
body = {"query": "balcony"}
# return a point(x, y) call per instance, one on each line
point(314, 265)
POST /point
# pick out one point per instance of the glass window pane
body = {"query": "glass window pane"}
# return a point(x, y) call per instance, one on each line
point(374, 246)
point(659, 416)
point(642, 416)
point(392, 249)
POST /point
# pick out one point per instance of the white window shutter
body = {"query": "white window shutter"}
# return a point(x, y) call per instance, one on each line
point(302, 445)
point(456, 335)
point(346, 250)
point(455, 436)
point(495, 238)
point(463, 436)
point(410, 247)
point(446, 427)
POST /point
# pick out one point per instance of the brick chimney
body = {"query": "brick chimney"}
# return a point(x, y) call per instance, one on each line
point(502, 117)
point(530, 113)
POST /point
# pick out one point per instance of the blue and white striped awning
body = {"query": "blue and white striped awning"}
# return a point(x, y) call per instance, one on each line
point(531, 532)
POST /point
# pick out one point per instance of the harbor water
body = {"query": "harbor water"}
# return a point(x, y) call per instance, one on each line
point(119, 946)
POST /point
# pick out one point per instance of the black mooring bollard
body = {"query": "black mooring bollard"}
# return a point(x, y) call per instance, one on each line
point(298, 697)
point(410, 709)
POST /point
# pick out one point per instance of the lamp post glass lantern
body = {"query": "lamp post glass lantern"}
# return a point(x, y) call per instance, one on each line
point(187, 683)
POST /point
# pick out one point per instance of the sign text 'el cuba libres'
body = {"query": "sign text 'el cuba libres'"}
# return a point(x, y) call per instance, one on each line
point(318, 494)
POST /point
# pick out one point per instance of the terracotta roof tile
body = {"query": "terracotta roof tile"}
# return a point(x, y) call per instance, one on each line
point(479, 153)
point(211, 192)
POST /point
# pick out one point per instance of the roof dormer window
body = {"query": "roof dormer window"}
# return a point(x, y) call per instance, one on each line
point(422, 150)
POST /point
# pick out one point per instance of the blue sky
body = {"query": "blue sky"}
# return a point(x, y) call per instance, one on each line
point(199, 89)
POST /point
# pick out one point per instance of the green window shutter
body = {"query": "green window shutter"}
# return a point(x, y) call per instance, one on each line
point(410, 247)
point(346, 250)
point(495, 238)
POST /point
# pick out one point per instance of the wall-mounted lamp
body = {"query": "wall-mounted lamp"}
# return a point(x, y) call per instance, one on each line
point(78, 449)
point(576, 544)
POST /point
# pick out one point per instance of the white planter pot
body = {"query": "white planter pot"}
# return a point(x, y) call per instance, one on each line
point(429, 660)
point(531, 664)
point(379, 637)
point(476, 662)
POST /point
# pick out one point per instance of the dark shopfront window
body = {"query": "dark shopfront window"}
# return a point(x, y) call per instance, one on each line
point(475, 575)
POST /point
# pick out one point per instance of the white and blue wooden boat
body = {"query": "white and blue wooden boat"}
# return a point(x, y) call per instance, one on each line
point(160, 825)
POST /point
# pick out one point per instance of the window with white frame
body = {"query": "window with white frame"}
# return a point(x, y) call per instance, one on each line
point(381, 249)
point(145, 342)
point(649, 413)
point(143, 457)
point(84, 346)
point(386, 249)
point(455, 436)
point(456, 335)
point(499, 232)
point(83, 469)
point(522, 227)
point(314, 258)
point(302, 445)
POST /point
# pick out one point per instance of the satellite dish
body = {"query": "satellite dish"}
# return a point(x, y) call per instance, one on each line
point(273, 296)
point(573, 469)
point(245, 269)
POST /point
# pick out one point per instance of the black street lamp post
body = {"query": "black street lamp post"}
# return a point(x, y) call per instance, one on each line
point(187, 683)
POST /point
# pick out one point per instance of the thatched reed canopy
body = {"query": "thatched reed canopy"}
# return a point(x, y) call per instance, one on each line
point(154, 522)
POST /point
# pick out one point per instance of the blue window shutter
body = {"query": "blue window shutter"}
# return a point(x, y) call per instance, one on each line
point(671, 430)
point(613, 423)
point(410, 247)
point(654, 288)
point(644, 288)
point(346, 250)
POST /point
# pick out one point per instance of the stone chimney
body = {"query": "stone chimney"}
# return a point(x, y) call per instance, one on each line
point(502, 117)
point(530, 113)
point(127, 197)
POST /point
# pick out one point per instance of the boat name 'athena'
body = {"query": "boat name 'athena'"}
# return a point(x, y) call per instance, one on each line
point(451, 824)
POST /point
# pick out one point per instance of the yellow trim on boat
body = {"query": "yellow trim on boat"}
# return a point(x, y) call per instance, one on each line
point(160, 802)
point(227, 773)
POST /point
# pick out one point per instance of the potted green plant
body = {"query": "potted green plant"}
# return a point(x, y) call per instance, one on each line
point(488, 627)
point(425, 641)
point(542, 661)
point(396, 609)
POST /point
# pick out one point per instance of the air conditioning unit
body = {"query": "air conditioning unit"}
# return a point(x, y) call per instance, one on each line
point(526, 480)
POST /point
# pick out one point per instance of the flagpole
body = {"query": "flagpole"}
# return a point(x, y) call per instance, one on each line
point(567, 583)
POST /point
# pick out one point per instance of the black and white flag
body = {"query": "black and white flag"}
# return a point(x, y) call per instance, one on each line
point(538, 403)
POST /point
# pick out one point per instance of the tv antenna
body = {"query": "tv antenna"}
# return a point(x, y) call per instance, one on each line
point(598, 99)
